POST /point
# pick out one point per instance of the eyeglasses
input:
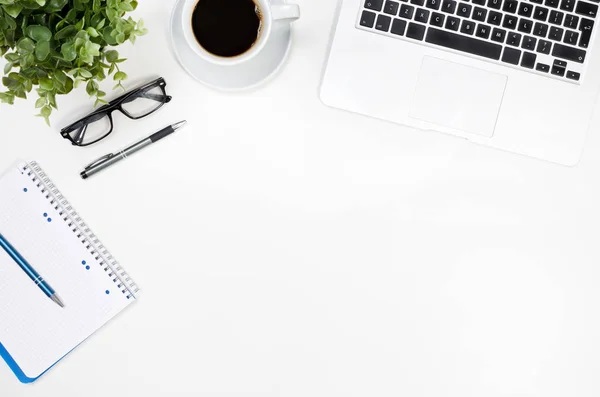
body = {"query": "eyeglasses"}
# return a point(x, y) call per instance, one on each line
point(136, 104)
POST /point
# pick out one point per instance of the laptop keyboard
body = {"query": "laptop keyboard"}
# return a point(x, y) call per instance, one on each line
point(548, 37)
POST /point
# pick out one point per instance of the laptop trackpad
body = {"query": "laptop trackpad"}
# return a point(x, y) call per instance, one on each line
point(458, 96)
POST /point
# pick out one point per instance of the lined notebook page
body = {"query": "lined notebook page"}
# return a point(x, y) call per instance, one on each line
point(34, 330)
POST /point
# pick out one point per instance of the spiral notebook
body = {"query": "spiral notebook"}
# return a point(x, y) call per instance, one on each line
point(36, 333)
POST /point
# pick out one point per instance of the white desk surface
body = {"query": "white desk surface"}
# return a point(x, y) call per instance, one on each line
point(288, 249)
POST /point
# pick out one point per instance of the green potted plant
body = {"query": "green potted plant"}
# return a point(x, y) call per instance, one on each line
point(56, 45)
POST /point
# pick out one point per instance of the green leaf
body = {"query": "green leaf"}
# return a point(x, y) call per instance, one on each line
point(111, 56)
point(40, 102)
point(13, 10)
point(26, 46)
point(85, 73)
point(56, 5)
point(45, 113)
point(46, 84)
point(7, 67)
point(61, 77)
point(119, 76)
point(39, 33)
point(91, 88)
point(66, 32)
point(92, 48)
point(125, 7)
point(7, 97)
point(68, 52)
point(92, 32)
point(42, 50)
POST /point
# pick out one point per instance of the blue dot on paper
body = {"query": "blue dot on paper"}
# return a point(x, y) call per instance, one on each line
point(25, 190)
point(45, 215)
point(107, 292)
point(87, 268)
point(49, 219)
point(83, 262)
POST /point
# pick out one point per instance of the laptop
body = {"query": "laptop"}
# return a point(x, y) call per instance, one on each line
point(517, 75)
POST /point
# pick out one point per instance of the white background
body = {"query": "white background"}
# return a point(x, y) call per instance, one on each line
point(289, 249)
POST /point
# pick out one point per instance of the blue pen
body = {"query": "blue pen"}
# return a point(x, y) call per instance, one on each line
point(30, 271)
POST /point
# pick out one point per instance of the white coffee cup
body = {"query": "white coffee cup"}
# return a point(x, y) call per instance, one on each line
point(271, 16)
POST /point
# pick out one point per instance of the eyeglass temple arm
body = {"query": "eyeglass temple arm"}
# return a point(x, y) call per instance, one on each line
point(154, 97)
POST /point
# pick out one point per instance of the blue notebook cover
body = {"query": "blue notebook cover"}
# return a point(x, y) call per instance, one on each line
point(44, 228)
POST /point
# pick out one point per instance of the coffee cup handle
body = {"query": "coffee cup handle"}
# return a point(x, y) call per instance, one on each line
point(285, 12)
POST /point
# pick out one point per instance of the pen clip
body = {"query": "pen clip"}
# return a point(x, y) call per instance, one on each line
point(101, 159)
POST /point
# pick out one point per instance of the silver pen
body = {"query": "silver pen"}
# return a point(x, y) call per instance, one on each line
point(113, 158)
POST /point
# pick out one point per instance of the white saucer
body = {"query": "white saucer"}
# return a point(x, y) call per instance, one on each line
point(236, 77)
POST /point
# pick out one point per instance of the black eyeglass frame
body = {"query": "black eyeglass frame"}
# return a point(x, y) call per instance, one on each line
point(116, 104)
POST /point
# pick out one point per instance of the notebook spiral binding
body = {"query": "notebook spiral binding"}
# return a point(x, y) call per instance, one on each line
point(108, 263)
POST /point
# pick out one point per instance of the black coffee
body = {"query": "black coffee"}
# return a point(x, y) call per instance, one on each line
point(226, 28)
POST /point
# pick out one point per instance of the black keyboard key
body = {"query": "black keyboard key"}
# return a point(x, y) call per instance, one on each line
point(463, 43)
point(479, 14)
point(479, 2)
point(483, 31)
point(573, 75)
point(551, 3)
point(513, 39)
point(391, 7)
point(449, 6)
point(536, 1)
point(585, 27)
point(467, 27)
point(367, 19)
point(556, 33)
point(558, 71)
point(422, 15)
point(544, 47)
point(558, 62)
point(433, 4)
point(567, 5)
point(374, 4)
point(525, 9)
point(571, 37)
point(499, 35)
point(437, 19)
point(415, 31)
point(383, 23)
point(510, 6)
point(528, 60)
point(540, 29)
point(495, 4)
point(418, 2)
point(568, 53)
point(509, 22)
point(541, 67)
point(540, 13)
point(556, 17)
point(511, 56)
point(494, 18)
point(525, 25)
point(571, 21)
point(528, 43)
point(452, 23)
point(588, 9)
point(464, 10)
point(406, 11)
point(398, 27)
